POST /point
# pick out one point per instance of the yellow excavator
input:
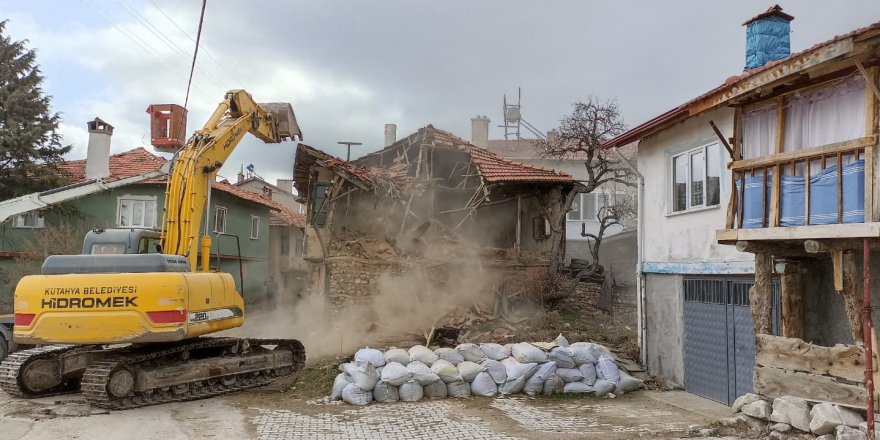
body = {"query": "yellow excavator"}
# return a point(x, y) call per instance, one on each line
point(124, 321)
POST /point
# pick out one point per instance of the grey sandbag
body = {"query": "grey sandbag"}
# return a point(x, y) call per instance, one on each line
point(421, 373)
point(469, 370)
point(603, 387)
point(496, 352)
point(384, 392)
point(607, 369)
point(512, 386)
point(561, 341)
point(533, 386)
point(577, 387)
point(517, 369)
point(364, 376)
point(562, 357)
point(446, 371)
point(471, 352)
point(410, 391)
point(627, 383)
point(589, 373)
point(528, 353)
point(395, 374)
point(484, 386)
point(458, 388)
point(355, 395)
point(371, 356)
point(422, 354)
point(553, 385)
point(449, 355)
point(496, 370)
point(435, 390)
point(338, 385)
point(570, 375)
point(398, 355)
point(581, 354)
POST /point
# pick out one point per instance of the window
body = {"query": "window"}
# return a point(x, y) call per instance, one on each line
point(583, 209)
point(540, 228)
point(255, 227)
point(285, 242)
point(696, 178)
point(220, 220)
point(137, 212)
point(33, 219)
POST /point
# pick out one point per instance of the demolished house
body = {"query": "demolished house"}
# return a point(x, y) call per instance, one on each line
point(430, 204)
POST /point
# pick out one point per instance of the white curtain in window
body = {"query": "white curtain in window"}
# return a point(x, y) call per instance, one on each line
point(830, 115)
point(759, 132)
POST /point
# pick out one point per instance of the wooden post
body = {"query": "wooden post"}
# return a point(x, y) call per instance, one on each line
point(852, 296)
point(776, 197)
point(760, 295)
point(837, 265)
point(792, 302)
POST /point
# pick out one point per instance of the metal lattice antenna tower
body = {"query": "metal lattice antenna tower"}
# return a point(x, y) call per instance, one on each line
point(513, 119)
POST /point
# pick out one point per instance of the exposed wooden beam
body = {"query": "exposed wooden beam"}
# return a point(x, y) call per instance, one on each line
point(723, 141)
point(777, 249)
point(792, 299)
point(788, 156)
point(837, 266)
point(822, 246)
point(813, 232)
point(760, 295)
point(853, 300)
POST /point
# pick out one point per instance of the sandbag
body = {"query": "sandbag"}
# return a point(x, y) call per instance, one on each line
point(469, 370)
point(446, 371)
point(553, 385)
point(449, 355)
point(471, 352)
point(496, 352)
point(512, 386)
point(526, 353)
point(496, 370)
point(398, 355)
point(484, 386)
point(410, 391)
point(581, 355)
point(577, 387)
point(364, 376)
point(338, 385)
point(545, 371)
point(603, 387)
point(516, 369)
point(384, 392)
point(421, 373)
point(435, 390)
point(569, 375)
point(627, 383)
point(607, 369)
point(395, 374)
point(371, 356)
point(355, 395)
point(533, 386)
point(422, 354)
point(561, 341)
point(458, 388)
point(595, 349)
point(589, 373)
point(562, 357)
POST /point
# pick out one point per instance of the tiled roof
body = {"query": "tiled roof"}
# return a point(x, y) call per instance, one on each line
point(286, 217)
point(139, 161)
point(524, 149)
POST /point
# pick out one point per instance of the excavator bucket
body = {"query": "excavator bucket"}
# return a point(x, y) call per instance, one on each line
point(282, 113)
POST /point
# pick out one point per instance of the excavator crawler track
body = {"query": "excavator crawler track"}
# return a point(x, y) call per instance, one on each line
point(109, 383)
point(12, 382)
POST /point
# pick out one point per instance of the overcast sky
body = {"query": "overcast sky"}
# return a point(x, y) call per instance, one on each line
point(349, 67)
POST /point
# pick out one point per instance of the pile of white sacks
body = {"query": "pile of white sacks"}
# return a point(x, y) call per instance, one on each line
point(480, 370)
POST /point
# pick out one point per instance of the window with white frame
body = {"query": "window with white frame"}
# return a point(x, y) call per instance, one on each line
point(584, 208)
point(696, 178)
point(136, 211)
point(32, 219)
point(255, 227)
point(220, 219)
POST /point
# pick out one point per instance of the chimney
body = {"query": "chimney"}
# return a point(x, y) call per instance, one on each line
point(98, 156)
point(768, 37)
point(480, 131)
point(240, 175)
point(552, 135)
point(390, 134)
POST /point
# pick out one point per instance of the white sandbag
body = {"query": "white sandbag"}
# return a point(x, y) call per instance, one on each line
point(338, 385)
point(525, 353)
point(581, 355)
point(410, 392)
point(595, 349)
point(458, 388)
point(545, 371)
point(398, 355)
point(533, 386)
point(371, 356)
point(627, 383)
point(589, 373)
point(496, 370)
point(435, 390)
point(449, 355)
point(421, 373)
point(512, 386)
point(484, 386)
point(607, 369)
point(569, 375)
point(471, 352)
point(577, 387)
point(553, 385)
point(562, 357)
point(469, 370)
point(603, 387)
point(496, 352)
point(355, 395)
point(422, 354)
point(384, 392)
point(516, 369)
point(365, 376)
point(561, 341)
point(446, 371)
point(395, 374)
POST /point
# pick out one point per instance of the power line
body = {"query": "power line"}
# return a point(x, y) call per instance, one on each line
point(195, 52)
point(102, 16)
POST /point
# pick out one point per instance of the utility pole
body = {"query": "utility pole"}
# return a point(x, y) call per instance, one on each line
point(348, 152)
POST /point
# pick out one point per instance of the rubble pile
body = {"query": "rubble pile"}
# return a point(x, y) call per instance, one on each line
point(483, 370)
point(785, 416)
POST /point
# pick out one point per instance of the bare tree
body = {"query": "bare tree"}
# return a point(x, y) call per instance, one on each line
point(616, 209)
point(581, 135)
